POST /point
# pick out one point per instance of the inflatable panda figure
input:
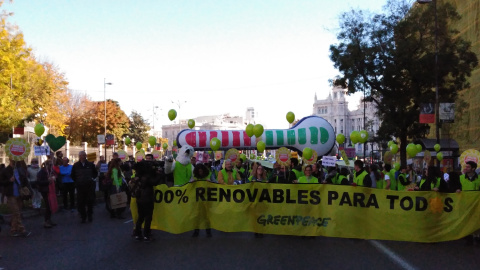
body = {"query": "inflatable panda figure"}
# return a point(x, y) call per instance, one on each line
point(181, 168)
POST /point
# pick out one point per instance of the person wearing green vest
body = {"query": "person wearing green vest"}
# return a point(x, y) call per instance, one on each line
point(470, 181)
point(361, 177)
point(284, 176)
point(239, 168)
point(296, 169)
point(260, 175)
point(341, 178)
point(228, 176)
point(429, 181)
point(403, 180)
point(307, 178)
point(201, 173)
point(390, 177)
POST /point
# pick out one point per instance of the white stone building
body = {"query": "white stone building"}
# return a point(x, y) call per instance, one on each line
point(335, 110)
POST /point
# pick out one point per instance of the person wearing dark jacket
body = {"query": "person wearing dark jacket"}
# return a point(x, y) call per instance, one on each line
point(284, 176)
point(13, 178)
point(83, 174)
point(45, 177)
point(146, 179)
point(361, 177)
point(430, 182)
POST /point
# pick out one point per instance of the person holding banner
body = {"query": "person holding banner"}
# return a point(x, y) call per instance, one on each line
point(341, 178)
point(227, 176)
point(307, 178)
point(201, 173)
point(283, 177)
point(258, 174)
point(360, 176)
point(239, 168)
point(470, 181)
point(13, 178)
point(296, 168)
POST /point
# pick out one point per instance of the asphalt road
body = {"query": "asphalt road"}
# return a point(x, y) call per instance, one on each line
point(106, 244)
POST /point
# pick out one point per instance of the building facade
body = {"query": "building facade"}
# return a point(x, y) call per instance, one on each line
point(335, 110)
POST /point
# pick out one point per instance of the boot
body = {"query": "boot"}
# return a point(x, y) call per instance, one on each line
point(195, 233)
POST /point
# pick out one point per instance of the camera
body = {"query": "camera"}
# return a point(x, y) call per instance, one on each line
point(148, 167)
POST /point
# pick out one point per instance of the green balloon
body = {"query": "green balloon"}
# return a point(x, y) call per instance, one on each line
point(390, 143)
point(191, 123)
point(307, 153)
point(174, 142)
point(215, 144)
point(419, 148)
point(411, 150)
point(340, 138)
point(440, 156)
point(363, 136)
point(127, 141)
point(394, 149)
point(436, 147)
point(138, 145)
point(261, 146)
point(249, 130)
point(396, 166)
point(152, 140)
point(290, 117)
point(39, 129)
point(165, 145)
point(243, 157)
point(172, 114)
point(258, 130)
point(354, 137)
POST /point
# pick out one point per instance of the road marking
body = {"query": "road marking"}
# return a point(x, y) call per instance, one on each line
point(128, 221)
point(396, 258)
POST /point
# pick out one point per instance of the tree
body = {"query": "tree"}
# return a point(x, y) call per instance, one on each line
point(391, 57)
point(139, 127)
point(27, 85)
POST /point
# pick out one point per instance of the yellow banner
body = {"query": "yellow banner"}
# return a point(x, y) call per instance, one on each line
point(316, 210)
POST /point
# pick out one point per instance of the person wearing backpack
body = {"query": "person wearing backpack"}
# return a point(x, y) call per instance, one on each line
point(146, 178)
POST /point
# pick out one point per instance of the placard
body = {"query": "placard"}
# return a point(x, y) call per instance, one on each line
point(329, 161)
point(41, 150)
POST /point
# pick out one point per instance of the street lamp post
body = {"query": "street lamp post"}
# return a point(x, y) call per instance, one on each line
point(437, 103)
point(105, 103)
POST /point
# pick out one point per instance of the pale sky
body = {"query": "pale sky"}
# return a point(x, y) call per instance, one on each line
point(219, 56)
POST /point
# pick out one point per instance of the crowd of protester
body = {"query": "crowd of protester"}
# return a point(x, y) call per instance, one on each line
point(77, 183)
